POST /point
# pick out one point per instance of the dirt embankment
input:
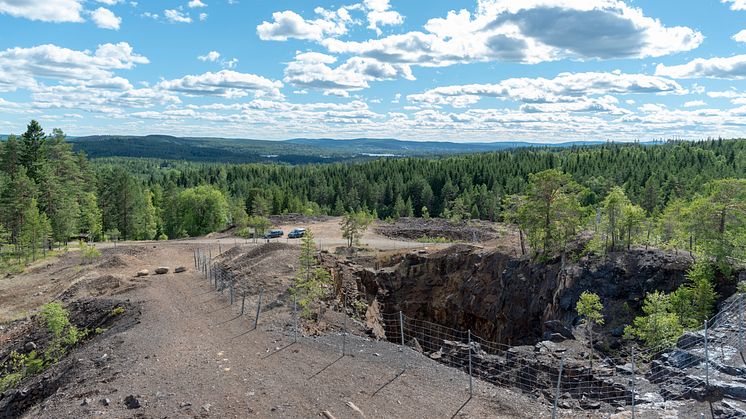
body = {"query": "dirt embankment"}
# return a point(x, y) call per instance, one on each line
point(441, 229)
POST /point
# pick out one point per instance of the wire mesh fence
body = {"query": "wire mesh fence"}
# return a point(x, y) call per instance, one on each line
point(701, 362)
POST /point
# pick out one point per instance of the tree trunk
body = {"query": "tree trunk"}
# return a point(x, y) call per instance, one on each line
point(523, 242)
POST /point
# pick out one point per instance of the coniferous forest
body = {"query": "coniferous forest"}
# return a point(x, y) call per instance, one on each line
point(678, 194)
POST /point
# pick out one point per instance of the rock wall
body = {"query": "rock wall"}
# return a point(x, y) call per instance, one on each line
point(510, 300)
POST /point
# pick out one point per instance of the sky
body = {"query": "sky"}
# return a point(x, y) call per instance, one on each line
point(458, 70)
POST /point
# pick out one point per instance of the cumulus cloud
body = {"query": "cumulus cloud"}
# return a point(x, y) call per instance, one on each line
point(176, 16)
point(196, 3)
point(106, 19)
point(740, 36)
point(717, 68)
point(288, 24)
point(210, 56)
point(224, 83)
point(565, 87)
point(529, 31)
point(736, 4)
point(694, 103)
point(50, 61)
point(44, 10)
point(313, 70)
point(379, 14)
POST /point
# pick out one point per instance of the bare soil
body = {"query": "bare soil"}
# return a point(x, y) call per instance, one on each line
point(188, 353)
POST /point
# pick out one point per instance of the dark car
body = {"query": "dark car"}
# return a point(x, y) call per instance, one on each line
point(297, 233)
point(273, 234)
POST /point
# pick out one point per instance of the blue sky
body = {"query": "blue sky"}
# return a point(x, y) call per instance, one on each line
point(479, 70)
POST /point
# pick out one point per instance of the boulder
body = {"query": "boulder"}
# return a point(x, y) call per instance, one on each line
point(161, 270)
point(131, 402)
point(557, 327)
point(143, 272)
point(414, 344)
point(29, 346)
point(180, 269)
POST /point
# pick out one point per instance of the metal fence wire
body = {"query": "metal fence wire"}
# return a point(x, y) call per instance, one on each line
point(700, 362)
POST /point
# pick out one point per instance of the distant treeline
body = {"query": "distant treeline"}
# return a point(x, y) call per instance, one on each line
point(472, 185)
point(49, 194)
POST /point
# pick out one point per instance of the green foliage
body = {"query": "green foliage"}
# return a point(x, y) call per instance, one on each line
point(659, 327)
point(439, 239)
point(117, 311)
point(717, 219)
point(551, 212)
point(312, 282)
point(199, 211)
point(259, 224)
point(162, 236)
point(667, 316)
point(589, 308)
point(88, 252)
point(354, 224)
point(64, 334)
point(35, 230)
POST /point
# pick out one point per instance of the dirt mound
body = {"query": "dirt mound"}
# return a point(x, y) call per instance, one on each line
point(440, 229)
point(95, 285)
point(115, 261)
point(268, 266)
point(97, 316)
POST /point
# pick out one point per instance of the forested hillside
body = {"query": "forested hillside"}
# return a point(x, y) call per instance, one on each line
point(642, 193)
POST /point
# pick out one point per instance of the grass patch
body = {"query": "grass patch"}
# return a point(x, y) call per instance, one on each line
point(439, 239)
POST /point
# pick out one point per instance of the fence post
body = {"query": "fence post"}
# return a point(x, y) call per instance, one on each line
point(707, 359)
point(471, 384)
point(295, 317)
point(633, 383)
point(740, 323)
point(194, 256)
point(344, 331)
point(557, 393)
point(258, 308)
point(243, 302)
point(401, 330)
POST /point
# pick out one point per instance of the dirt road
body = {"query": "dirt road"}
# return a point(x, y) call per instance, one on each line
point(191, 355)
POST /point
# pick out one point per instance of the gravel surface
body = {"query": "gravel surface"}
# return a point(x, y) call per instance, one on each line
point(191, 355)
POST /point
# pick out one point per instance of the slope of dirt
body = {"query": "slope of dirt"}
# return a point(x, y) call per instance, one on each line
point(192, 355)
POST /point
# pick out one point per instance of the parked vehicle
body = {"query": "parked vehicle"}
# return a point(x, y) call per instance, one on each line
point(273, 234)
point(297, 233)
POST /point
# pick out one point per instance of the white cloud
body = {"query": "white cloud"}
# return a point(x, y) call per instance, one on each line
point(565, 87)
point(202, 17)
point(50, 61)
point(176, 16)
point(313, 70)
point(379, 14)
point(740, 36)
point(718, 68)
point(44, 10)
point(694, 103)
point(106, 19)
point(111, 2)
point(210, 56)
point(214, 56)
point(529, 31)
point(288, 24)
point(224, 83)
point(195, 3)
point(736, 4)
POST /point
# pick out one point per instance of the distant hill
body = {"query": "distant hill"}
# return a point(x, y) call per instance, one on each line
point(294, 151)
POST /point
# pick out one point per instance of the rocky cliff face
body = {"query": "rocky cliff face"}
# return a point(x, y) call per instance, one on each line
point(510, 300)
